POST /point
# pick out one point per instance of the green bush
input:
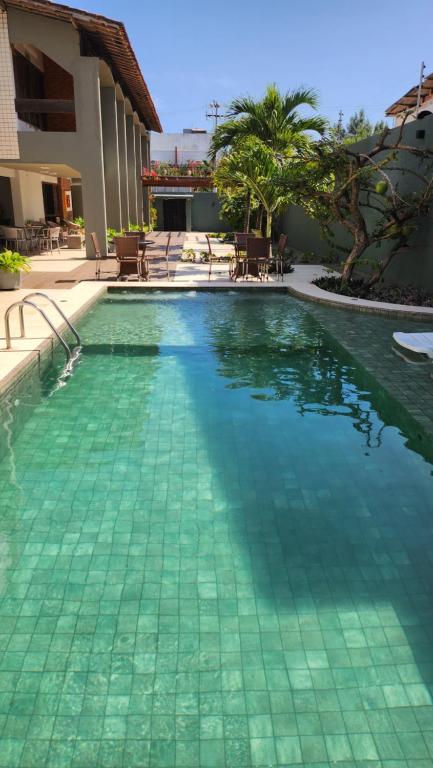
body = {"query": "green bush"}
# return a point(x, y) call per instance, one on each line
point(12, 261)
point(112, 233)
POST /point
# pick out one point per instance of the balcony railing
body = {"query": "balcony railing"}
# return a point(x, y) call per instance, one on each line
point(45, 106)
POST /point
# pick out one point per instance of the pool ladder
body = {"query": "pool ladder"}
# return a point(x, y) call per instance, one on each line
point(70, 356)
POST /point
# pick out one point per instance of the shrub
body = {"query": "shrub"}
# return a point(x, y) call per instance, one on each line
point(12, 261)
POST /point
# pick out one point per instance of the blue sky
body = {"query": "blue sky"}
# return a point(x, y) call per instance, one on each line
point(193, 51)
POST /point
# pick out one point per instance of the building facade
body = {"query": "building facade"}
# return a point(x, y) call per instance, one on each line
point(192, 145)
point(75, 119)
point(176, 207)
point(416, 104)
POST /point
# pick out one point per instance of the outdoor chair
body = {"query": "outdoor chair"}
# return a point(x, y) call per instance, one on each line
point(33, 234)
point(256, 262)
point(213, 259)
point(241, 239)
point(14, 237)
point(279, 256)
point(97, 254)
point(239, 267)
point(417, 343)
point(131, 260)
point(50, 236)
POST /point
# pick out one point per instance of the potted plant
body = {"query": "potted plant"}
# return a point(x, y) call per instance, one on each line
point(12, 264)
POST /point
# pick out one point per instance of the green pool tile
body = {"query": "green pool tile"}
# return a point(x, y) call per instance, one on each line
point(187, 754)
point(162, 754)
point(363, 746)
point(313, 749)
point(338, 748)
point(184, 727)
point(193, 589)
point(211, 727)
point(237, 753)
point(212, 753)
point(413, 746)
point(262, 752)
point(288, 750)
point(35, 753)
point(388, 746)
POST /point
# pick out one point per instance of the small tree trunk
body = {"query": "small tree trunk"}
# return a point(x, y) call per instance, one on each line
point(259, 220)
point(268, 224)
point(358, 249)
point(247, 212)
point(376, 276)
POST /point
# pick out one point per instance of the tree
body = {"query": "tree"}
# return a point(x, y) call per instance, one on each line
point(253, 166)
point(358, 127)
point(236, 207)
point(274, 120)
point(367, 195)
point(232, 185)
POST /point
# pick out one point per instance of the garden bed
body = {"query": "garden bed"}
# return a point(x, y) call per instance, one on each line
point(392, 294)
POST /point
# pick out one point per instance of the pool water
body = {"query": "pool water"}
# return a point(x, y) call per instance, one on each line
point(215, 549)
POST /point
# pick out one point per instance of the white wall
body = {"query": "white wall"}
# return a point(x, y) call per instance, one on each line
point(425, 106)
point(190, 146)
point(31, 195)
point(27, 198)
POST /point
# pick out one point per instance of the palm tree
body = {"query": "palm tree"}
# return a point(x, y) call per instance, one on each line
point(255, 167)
point(274, 120)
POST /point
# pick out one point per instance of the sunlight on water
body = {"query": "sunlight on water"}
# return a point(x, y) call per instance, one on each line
point(215, 549)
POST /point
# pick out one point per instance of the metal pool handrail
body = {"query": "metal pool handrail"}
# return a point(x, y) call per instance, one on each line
point(23, 303)
point(56, 306)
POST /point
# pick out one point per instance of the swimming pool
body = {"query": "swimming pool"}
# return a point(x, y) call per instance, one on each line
point(216, 549)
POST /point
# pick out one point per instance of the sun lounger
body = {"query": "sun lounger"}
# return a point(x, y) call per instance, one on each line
point(420, 343)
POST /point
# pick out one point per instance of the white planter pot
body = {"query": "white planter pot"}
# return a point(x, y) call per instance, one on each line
point(9, 281)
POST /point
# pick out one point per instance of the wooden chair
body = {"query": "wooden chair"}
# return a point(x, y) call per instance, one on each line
point(131, 261)
point(279, 256)
point(241, 239)
point(258, 257)
point(239, 267)
point(214, 259)
point(97, 254)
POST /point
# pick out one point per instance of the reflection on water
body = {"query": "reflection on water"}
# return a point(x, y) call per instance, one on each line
point(287, 355)
point(214, 528)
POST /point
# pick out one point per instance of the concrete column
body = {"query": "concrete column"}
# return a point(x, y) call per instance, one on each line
point(17, 199)
point(111, 157)
point(123, 168)
point(138, 166)
point(145, 160)
point(132, 180)
point(91, 156)
point(188, 211)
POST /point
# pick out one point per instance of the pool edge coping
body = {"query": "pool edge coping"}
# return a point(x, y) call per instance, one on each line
point(302, 287)
point(34, 357)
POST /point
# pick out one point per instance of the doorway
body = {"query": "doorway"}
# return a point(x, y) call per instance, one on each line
point(6, 205)
point(51, 203)
point(174, 215)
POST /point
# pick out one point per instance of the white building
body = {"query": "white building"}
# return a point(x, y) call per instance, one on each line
point(178, 148)
point(406, 106)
